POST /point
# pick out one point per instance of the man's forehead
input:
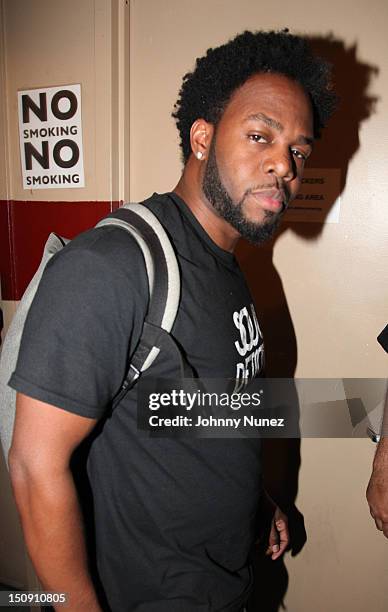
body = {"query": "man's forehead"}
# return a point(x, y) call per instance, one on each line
point(265, 96)
point(268, 88)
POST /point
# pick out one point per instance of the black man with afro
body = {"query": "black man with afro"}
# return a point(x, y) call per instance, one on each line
point(175, 519)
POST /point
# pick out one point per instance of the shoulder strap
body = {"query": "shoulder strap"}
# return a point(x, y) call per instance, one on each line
point(164, 288)
point(161, 263)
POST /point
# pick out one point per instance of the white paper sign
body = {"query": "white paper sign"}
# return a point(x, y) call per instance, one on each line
point(319, 198)
point(50, 131)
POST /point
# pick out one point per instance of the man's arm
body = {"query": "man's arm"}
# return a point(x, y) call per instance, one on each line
point(43, 441)
point(377, 491)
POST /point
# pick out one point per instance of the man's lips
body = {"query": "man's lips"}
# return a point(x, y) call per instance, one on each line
point(271, 199)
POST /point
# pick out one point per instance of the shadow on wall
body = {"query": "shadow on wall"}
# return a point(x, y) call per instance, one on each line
point(281, 458)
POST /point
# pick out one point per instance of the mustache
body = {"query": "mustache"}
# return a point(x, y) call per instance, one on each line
point(282, 188)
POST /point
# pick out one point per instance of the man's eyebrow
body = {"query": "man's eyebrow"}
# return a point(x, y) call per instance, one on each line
point(309, 140)
point(267, 120)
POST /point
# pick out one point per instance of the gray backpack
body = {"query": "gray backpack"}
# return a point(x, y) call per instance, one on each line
point(164, 288)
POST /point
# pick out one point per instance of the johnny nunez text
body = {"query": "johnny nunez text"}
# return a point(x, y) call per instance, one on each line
point(235, 422)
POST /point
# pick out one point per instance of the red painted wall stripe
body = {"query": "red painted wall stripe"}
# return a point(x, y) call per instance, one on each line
point(24, 228)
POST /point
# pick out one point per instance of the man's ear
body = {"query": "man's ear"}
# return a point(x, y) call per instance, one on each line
point(201, 134)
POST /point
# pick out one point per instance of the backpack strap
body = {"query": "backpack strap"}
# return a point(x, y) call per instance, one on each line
point(164, 288)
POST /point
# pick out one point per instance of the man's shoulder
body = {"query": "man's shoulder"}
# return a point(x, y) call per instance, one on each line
point(100, 248)
point(158, 202)
point(164, 207)
point(104, 254)
point(112, 242)
point(100, 264)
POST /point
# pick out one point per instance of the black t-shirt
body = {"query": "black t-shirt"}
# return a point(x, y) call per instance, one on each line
point(175, 518)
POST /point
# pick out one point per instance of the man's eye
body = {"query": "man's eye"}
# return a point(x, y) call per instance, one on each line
point(299, 154)
point(257, 138)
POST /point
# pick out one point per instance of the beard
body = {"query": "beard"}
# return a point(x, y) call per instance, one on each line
point(255, 232)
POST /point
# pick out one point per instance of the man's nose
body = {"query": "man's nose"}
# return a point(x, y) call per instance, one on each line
point(280, 163)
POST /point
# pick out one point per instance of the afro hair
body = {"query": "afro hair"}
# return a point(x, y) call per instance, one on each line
point(206, 91)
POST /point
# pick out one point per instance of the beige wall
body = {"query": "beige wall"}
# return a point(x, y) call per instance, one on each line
point(50, 43)
point(3, 114)
point(335, 284)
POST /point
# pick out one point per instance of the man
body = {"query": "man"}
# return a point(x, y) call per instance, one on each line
point(175, 518)
point(377, 491)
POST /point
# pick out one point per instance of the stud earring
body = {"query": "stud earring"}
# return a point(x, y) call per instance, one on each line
point(199, 155)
